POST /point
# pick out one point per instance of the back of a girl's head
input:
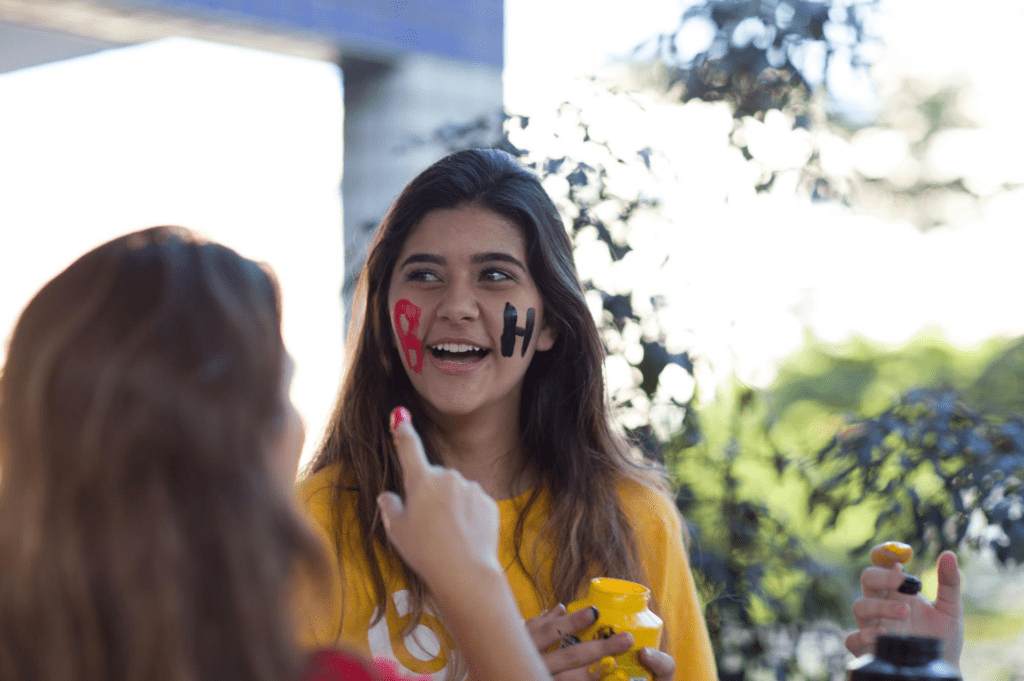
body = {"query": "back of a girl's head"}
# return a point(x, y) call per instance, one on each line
point(138, 405)
point(152, 354)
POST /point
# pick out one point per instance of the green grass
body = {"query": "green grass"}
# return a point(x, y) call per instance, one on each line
point(984, 625)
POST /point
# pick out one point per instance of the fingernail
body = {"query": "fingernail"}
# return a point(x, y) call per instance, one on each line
point(625, 637)
point(597, 613)
point(398, 415)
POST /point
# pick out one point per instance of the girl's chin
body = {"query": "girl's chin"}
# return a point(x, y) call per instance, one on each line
point(444, 407)
point(448, 410)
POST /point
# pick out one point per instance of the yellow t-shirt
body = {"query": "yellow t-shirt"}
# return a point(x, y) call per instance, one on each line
point(424, 651)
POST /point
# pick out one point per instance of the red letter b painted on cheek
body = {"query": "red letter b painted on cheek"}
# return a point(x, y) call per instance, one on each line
point(407, 320)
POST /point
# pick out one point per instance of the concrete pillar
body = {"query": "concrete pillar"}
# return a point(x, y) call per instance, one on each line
point(392, 110)
point(25, 46)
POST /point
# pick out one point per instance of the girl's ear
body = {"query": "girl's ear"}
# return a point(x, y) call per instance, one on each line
point(546, 339)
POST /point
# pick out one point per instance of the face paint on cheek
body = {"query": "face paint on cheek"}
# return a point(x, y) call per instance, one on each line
point(510, 330)
point(407, 320)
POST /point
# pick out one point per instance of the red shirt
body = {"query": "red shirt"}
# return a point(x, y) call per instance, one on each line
point(333, 665)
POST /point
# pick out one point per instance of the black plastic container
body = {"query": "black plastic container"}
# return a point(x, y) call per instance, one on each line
point(903, 658)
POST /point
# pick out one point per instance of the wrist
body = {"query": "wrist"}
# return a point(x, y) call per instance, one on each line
point(484, 619)
point(476, 578)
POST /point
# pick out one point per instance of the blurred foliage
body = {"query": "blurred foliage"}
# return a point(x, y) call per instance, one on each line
point(767, 592)
point(1000, 388)
point(817, 387)
point(789, 488)
point(898, 171)
point(768, 57)
point(783, 489)
point(764, 54)
point(944, 473)
point(903, 182)
point(925, 445)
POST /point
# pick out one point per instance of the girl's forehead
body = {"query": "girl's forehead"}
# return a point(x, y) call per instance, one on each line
point(466, 229)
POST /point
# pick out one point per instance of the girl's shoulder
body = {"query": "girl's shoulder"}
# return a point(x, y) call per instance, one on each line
point(648, 506)
point(319, 482)
point(319, 492)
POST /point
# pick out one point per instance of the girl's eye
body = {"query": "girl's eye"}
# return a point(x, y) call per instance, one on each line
point(422, 275)
point(492, 275)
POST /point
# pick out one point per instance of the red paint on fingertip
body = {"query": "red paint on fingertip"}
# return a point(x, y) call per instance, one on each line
point(398, 415)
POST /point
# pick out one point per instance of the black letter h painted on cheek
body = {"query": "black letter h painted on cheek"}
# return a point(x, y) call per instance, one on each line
point(510, 330)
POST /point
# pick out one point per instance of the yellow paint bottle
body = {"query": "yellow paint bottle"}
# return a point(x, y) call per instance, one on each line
point(621, 606)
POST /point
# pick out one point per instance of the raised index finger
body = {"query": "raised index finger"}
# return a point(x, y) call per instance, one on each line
point(411, 454)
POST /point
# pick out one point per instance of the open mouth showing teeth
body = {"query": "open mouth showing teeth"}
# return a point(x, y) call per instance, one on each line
point(458, 353)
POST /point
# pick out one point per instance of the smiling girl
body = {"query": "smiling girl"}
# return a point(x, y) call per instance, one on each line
point(470, 312)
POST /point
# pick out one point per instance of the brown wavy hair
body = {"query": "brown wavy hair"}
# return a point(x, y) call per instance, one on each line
point(143, 533)
point(564, 421)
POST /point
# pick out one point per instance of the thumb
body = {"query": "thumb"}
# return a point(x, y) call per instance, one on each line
point(949, 579)
point(391, 507)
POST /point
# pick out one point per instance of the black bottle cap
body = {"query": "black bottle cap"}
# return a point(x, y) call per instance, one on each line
point(911, 586)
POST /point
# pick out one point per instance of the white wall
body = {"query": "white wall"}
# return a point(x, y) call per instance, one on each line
point(242, 146)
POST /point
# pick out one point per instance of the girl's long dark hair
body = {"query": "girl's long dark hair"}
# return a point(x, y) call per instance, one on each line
point(566, 432)
point(143, 535)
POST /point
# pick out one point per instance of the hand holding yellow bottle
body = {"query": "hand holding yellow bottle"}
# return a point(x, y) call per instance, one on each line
point(621, 606)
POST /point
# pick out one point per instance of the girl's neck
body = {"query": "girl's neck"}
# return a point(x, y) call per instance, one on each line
point(486, 447)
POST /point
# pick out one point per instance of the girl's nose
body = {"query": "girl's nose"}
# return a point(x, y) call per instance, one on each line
point(459, 303)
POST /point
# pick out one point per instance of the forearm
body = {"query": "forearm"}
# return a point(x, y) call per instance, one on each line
point(484, 619)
